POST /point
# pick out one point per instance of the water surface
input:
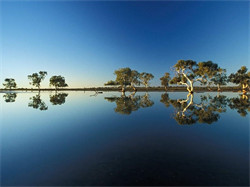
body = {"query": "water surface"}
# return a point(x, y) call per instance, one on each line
point(77, 138)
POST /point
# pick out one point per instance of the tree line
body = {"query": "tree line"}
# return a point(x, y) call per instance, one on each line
point(35, 80)
point(187, 73)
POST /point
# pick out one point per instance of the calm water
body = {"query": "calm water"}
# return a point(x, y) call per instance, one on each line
point(79, 138)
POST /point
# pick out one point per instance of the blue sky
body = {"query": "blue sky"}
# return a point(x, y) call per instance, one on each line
point(86, 41)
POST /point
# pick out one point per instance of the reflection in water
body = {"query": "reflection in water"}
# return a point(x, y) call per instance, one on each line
point(242, 105)
point(58, 99)
point(37, 103)
point(10, 97)
point(128, 104)
point(188, 112)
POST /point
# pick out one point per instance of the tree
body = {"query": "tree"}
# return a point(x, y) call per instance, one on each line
point(57, 81)
point(111, 83)
point(10, 97)
point(241, 77)
point(36, 78)
point(134, 79)
point(9, 83)
point(220, 78)
point(165, 80)
point(188, 72)
point(145, 78)
point(242, 104)
point(123, 76)
point(37, 103)
point(58, 99)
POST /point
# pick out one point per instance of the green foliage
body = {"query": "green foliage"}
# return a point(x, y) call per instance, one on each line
point(9, 97)
point(241, 77)
point(165, 80)
point(58, 99)
point(123, 76)
point(188, 112)
point(145, 78)
point(111, 83)
point(240, 104)
point(37, 103)
point(36, 78)
point(57, 81)
point(9, 83)
point(220, 78)
point(128, 104)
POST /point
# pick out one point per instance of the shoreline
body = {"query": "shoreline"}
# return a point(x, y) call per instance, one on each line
point(139, 89)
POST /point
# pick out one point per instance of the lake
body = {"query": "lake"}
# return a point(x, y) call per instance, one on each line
point(156, 138)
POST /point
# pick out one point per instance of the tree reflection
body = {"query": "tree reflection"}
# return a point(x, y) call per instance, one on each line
point(58, 98)
point(10, 97)
point(37, 103)
point(242, 104)
point(188, 112)
point(128, 104)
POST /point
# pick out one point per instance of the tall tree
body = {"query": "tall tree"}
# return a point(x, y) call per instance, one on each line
point(57, 81)
point(145, 78)
point(165, 80)
point(241, 77)
point(10, 83)
point(36, 78)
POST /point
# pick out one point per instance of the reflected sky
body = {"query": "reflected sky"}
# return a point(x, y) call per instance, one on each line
point(87, 141)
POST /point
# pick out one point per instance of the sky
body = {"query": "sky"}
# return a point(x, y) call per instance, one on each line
point(87, 41)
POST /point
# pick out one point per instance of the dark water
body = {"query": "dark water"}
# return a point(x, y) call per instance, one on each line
point(73, 138)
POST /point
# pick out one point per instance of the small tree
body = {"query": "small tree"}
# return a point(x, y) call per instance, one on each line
point(9, 83)
point(57, 81)
point(241, 77)
point(220, 78)
point(145, 78)
point(36, 78)
point(165, 80)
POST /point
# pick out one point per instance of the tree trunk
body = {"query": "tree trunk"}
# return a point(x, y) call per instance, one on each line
point(166, 88)
point(244, 86)
point(123, 89)
point(218, 85)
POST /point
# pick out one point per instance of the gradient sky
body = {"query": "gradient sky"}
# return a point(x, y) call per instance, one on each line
point(86, 41)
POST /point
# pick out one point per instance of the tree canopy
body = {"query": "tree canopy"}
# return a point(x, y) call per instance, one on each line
point(57, 81)
point(36, 78)
point(165, 80)
point(9, 83)
point(241, 77)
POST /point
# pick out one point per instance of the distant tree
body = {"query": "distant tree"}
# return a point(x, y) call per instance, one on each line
point(220, 78)
point(145, 78)
point(241, 77)
point(123, 76)
point(10, 97)
point(58, 99)
point(9, 83)
point(165, 80)
point(36, 78)
point(57, 81)
point(188, 72)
